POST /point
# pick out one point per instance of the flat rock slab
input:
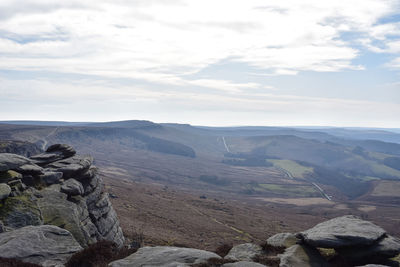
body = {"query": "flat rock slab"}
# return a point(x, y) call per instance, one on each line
point(45, 245)
point(244, 252)
point(342, 232)
point(72, 167)
point(54, 153)
point(10, 161)
point(302, 256)
point(243, 264)
point(282, 240)
point(165, 256)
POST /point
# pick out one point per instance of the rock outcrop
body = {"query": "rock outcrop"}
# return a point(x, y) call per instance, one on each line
point(60, 188)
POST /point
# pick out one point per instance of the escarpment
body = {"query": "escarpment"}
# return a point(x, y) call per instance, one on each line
point(59, 188)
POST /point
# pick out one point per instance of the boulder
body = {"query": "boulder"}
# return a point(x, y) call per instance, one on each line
point(46, 245)
point(243, 264)
point(72, 167)
point(12, 161)
point(54, 153)
point(302, 256)
point(165, 256)
point(51, 177)
point(244, 252)
point(342, 232)
point(385, 248)
point(5, 191)
point(72, 187)
point(282, 240)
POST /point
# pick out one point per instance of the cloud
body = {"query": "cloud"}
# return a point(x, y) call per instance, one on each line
point(132, 38)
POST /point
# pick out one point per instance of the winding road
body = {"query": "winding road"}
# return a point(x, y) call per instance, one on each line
point(45, 142)
point(226, 147)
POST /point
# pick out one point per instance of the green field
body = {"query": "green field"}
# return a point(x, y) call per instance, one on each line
point(295, 169)
point(289, 190)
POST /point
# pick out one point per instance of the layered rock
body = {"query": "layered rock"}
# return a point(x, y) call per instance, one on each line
point(58, 188)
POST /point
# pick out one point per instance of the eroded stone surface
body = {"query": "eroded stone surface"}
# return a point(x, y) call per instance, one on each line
point(165, 256)
point(302, 256)
point(282, 240)
point(342, 232)
point(244, 252)
point(46, 245)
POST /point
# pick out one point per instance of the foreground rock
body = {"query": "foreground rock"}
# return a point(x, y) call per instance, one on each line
point(244, 252)
point(343, 231)
point(64, 191)
point(165, 256)
point(302, 256)
point(45, 245)
point(282, 240)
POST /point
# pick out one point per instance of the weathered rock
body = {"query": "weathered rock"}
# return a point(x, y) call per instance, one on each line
point(301, 256)
point(32, 169)
point(165, 256)
point(20, 211)
point(74, 217)
point(373, 265)
point(72, 167)
point(2, 228)
point(12, 161)
point(50, 177)
point(244, 252)
point(45, 245)
point(342, 232)
point(282, 240)
point(54, 153)
point(72, 187)
point(5, 191)
point(10, 175)
point(387, 247)
point(243, 264)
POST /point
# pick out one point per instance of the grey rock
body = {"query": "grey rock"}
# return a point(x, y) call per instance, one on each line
point(342, 232)
point(8, 176)
point(282, 240)
point(5, 191)
point(50, 177)
point(244, 252)
point(165, 256)
point(74, 217)
point(31, 169)
point(386, 248)
point(72, 167)
point(54, 153)
point(12, 161)
point(45, 245)
point(20, 211)
point(72, 187)
point(2, 228)
point(243, 264)
point(301, 256)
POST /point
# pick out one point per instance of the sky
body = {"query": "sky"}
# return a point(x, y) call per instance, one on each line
point(208, 62)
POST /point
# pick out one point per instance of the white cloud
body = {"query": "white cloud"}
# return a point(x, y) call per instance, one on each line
point(137, 38)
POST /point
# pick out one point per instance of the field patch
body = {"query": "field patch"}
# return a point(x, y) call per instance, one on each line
point(298, 201)
point(294, 168)
point(290, 190)
point(387, 189)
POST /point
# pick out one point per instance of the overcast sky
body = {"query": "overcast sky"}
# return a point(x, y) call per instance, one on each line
point(203, 62)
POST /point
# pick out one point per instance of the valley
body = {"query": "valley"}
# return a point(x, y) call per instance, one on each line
point(202, 187)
